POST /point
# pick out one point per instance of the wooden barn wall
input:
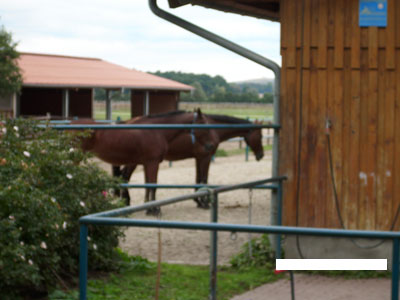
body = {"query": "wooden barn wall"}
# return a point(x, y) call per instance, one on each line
point(40, 101)
point(81, 103)
point(160, 102)
point(334, 70)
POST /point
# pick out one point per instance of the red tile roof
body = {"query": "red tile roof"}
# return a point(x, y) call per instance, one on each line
point(44, 70)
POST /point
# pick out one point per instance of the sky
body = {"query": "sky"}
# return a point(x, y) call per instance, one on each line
point(127, 33)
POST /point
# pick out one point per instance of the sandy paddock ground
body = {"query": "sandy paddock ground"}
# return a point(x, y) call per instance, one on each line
point(192, 246)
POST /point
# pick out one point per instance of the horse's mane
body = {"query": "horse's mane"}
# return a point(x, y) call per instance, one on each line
point(167, 114)
point(227, 119)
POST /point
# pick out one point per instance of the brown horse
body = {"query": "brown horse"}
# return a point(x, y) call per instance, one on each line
point(182, 148)
point(147, 147)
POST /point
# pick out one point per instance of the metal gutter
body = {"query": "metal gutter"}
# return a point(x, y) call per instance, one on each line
point(273, 66)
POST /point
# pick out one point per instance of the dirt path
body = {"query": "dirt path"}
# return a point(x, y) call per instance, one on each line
point(189, 246)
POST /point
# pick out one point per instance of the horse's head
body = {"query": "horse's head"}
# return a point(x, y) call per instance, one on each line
point(207, 138)
point(254, 141)
point(85, 140)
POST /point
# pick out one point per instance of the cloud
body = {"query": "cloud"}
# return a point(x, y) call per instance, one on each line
point(127, 33)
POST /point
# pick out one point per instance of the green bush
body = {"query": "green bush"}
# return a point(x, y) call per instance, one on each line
point(46, 184)
point(262, 254)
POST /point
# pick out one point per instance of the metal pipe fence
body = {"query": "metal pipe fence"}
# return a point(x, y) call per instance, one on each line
point(114, 218)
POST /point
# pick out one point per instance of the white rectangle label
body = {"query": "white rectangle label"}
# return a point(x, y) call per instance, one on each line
point(331, 264)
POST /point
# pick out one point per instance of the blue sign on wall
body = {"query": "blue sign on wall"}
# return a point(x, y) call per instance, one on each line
point(373, 13)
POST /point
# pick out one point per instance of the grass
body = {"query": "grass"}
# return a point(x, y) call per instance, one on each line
point(240, 111)
point(178, 282)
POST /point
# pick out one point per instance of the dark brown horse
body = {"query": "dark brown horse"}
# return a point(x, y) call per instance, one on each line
point(147, 147)
point(181, 148)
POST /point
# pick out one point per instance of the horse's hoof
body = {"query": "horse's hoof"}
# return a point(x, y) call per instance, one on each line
point(155, 211)
point(203, 204)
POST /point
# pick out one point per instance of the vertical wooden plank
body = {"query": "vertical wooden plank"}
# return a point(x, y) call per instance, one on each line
point(299, 19)
point(288, 104)
point(390, 36)
point(396, 175)
point(306, 34)
point(346, 138)
point(348, 23)
point(323, 33)
point(381, 167)
point(388, 193)
point(363, 145)
point(306, 159)
point(336, 134)
point(331, 23)
point(321, 155)
point(339, 34)
point(284, 18)
point(291, 34)
point(355, 36)
point(312, 141)
point(373, 47)
point(372, 100)
point(397, 24)
point(331, 215)
point(354, 154)
point(314, 23)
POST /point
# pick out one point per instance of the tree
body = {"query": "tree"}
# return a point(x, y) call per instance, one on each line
point(198, 94)
point(10, 74)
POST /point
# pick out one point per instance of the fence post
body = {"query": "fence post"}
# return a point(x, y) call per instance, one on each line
point(279, 221)
point(213, 248)
point(83, 261)
point(395, 269)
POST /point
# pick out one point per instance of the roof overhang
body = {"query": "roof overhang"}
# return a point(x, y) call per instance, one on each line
point(56, 71)
point(263, 9)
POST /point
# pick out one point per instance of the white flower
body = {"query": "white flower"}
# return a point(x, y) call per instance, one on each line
point(43, 245)
point(21, 243)
point(69, 176)
point(88, 238)
point(27, 154)
point(82, 204)
point(11, 218)
point(4, 130)
point(65, 225)
point(71, 150)
point(94, 246)
point(53, 199)
point(30, 262)
point(22, 257)
point(15, 128)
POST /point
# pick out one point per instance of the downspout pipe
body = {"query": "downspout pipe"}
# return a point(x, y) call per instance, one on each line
point(273, 66)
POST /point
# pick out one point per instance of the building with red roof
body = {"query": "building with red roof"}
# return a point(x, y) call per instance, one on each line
point(62, 87)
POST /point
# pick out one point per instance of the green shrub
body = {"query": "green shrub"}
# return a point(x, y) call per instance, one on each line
point(46, 184)
point(262, 254)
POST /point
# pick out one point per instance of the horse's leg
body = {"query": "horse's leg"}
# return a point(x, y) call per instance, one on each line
point(126, 174)
point(198, 171)
point(116, 172)
point(151, 172)
point(203, 165)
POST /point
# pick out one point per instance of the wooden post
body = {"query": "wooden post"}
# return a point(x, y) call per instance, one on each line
point(108, 105)
point(146, 103)
point(65, 104)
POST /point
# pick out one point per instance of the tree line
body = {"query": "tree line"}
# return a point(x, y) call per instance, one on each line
point(217, 89)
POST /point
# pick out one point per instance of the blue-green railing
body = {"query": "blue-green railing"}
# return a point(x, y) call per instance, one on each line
point(114, 218)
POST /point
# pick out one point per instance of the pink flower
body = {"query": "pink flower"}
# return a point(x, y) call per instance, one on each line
point(104, 193)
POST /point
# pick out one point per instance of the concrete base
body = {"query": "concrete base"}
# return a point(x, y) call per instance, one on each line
point(327, 247)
